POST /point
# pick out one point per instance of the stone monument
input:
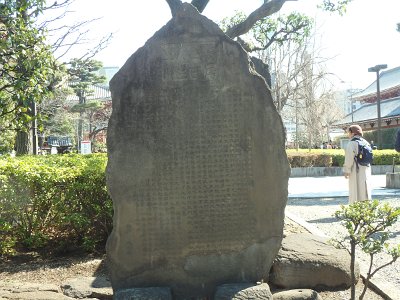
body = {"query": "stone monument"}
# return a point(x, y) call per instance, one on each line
point(197, 166)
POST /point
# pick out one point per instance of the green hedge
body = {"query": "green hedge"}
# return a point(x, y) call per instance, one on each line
point(59, 203)
point(54, 203)
point(335, 158)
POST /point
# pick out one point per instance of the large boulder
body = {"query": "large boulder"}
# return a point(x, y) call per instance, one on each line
point(197, 167)
point(149, 293)
point(309, 261)
point(301, 294)
point(243, 291)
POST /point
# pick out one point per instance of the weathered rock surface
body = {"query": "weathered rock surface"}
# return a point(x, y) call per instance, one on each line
point(302, 294)
point(308, 261)
point(85, 287)
point(243, 291)
point(151, 293)
point(197, 168)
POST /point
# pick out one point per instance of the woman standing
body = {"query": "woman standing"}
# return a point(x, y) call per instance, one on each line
point(359, 176)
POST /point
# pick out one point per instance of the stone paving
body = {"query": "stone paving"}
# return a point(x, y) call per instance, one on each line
point(77, 288)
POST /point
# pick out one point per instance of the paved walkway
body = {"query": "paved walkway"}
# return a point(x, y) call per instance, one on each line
point(336, 186)
point(313, 202)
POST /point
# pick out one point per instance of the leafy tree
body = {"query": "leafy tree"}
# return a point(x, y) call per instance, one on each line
point(268, 8)
point(7, 138)
point(278, 42)
point(83, 77)
point(97, 114)
point(27, 62)
point(335, 5)
point(99, 123)
point(286, 45)
point(26, 67)
point(267, 31)
point(367, 224)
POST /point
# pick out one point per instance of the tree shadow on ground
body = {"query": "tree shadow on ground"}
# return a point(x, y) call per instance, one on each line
point(32, 261)
point(330, 201)
point(324, 220)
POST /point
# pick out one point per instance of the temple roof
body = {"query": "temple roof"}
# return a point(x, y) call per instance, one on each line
point(390, 109)
point(98, 92)
point(387, 80)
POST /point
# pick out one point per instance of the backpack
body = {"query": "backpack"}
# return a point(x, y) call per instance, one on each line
point(364, 156)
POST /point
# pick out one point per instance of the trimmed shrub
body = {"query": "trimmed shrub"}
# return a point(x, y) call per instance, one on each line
point(335, 158)
point(298, 160)
point(385, 157)
point(54, 202)
point(305, 158)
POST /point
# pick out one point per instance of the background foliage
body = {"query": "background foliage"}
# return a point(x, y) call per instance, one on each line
point(26, 62)
point(54, 203)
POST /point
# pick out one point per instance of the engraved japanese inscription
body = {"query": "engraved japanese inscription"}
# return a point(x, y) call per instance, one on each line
point(197, 168)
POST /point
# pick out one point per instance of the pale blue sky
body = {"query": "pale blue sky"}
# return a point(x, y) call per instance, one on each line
point(364, 37)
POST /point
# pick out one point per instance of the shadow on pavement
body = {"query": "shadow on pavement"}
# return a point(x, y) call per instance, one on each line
point(317, 201)
point(324, 220)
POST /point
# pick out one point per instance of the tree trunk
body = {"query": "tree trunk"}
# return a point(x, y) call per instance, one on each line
point(200, 4)
point(34, 134)
point(268, 8)
point(174, 5)
point(80, 131)
point(352, 267)
point(22, 143)
point(82, 100)
point(297, 124)
point(23, 138)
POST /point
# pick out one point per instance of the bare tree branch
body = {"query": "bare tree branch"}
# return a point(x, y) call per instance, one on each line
point(63, 37)
point(268, 8)
point(60, 44)
point(103, 43)
point(174, 5)
point(286, 36)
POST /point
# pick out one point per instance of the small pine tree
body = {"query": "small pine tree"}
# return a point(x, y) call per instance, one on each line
point(83, 77)
point(367, 223)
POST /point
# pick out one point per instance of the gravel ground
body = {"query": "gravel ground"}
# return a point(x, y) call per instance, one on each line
point(320, 213)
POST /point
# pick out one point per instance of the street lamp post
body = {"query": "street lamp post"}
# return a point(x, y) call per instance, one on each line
point(352, 105)
point(376, 69)
point(352, 109)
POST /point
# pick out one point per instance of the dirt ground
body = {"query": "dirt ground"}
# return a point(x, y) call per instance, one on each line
point(30, 267)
